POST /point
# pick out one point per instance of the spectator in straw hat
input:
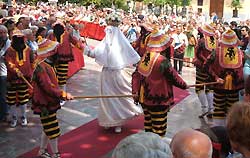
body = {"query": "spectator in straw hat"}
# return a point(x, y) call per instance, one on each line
point(227, 69)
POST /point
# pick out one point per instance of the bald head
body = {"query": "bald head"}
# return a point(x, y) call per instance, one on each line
point(190, 143)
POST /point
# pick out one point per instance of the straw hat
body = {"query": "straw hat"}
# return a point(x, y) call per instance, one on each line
point(207, 29)
point(18, 33)
point(229, 38)
point(46, 48)
point(158, 41)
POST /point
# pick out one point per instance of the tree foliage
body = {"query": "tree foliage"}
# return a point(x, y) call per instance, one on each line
point(168, 2)
point(99, 3)
point(236, 4)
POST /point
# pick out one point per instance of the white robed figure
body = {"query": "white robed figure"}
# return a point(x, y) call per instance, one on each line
point(115, 53)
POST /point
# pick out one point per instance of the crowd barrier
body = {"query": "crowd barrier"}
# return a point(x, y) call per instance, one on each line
point(91, 30)
point(78, 62)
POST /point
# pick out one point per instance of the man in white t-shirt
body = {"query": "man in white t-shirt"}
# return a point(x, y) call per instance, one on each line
point(4, 45)
point(180, 42)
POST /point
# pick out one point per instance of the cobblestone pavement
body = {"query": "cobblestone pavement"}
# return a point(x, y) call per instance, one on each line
point(15, 141)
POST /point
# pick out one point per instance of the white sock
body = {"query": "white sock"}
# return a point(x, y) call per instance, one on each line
point(203, 100)
point(63, 87)
point(44, 141)
point(219, 122)
point(54, 145)
point(210, 103)
point(13, 111)
point(23, 110)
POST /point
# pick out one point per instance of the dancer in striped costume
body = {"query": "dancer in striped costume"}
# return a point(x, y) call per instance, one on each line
point(65, 38)
point(153, 83)
point(18, 59)
point(227, 68)
point(47, 95)
point(204, 50)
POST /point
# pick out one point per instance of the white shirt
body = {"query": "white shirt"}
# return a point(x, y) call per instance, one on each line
point(180, 38)
point(3, 69)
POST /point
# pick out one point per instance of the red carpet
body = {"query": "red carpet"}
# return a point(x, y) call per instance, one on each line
point(91, 141)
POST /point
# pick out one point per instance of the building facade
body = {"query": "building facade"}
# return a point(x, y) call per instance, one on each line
point(222, 8)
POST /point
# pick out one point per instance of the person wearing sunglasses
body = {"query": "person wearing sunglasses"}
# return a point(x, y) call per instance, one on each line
point(244, 38)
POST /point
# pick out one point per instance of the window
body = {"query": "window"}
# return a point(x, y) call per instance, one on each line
point(200, 2)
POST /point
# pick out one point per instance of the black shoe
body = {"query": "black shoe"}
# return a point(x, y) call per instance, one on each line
point(202, 115)
point(210, 115)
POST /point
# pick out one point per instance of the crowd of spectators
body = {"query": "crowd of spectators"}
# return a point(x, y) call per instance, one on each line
point(231, 141)
point(216, 142)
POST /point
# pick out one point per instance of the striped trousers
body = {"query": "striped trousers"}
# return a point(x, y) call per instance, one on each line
point(202, 77)
point(50, 125)
point(17, 93)
point(155, 118)
point(62, 72)
point(223, 101)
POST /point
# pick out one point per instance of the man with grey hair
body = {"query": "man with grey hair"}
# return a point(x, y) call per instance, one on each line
point(142, 145)
point(189, 143)
point(30, 39)
point(4, 45)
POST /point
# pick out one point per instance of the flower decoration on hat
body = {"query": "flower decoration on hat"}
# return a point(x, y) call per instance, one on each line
point(113, 19)
point(229, 38)
point(208, 29)
point(158, 42)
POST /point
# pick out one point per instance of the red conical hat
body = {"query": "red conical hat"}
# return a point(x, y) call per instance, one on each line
point(158, 41)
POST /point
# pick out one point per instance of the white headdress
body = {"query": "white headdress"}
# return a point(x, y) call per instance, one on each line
point(114, 51)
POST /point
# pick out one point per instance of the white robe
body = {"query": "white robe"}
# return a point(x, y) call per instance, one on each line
point(115, 53)
point(115, 111)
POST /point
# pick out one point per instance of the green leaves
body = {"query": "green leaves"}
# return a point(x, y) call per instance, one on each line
point(236, 4)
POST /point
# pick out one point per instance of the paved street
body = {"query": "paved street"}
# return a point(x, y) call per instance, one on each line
point(15, 141)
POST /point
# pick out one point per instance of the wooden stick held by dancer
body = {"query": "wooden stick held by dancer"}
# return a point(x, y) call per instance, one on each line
point(182, 60)
point(103, 96)
point(128, 96)
point(204, 84)
point(20, 74)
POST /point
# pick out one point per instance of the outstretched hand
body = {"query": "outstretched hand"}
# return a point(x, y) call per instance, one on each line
point(19, 73)
point(188, 86)
point(69, 96)
point(220, 80)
